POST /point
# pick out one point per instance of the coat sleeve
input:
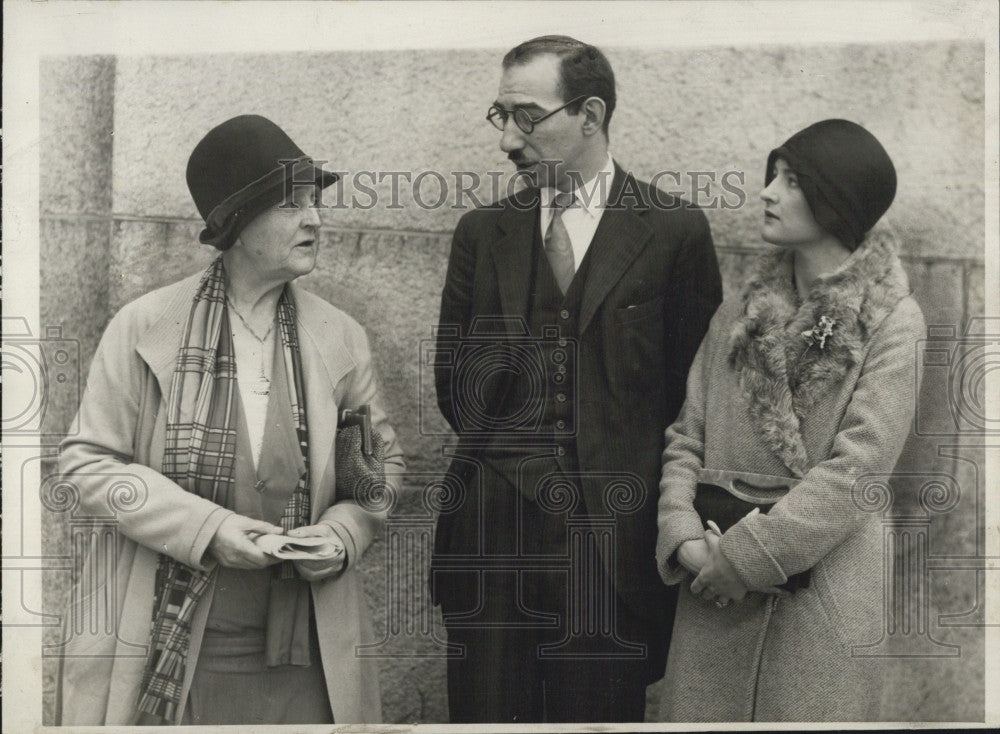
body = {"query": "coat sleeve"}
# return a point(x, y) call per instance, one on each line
point(683, 457)
point(820, 512)
point(455, 316)
point(98, 462)
point(356, 525)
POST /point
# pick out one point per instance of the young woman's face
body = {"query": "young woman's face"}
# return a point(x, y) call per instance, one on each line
point(788, 220)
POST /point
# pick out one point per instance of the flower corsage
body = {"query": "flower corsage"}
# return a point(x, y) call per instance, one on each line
point(820, 332)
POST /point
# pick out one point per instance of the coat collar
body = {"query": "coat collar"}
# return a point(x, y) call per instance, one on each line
point(325, 355)
point(782, 371)
point(326, 358)
point(618, 240)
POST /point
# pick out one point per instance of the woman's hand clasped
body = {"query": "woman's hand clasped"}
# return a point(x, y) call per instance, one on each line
point(693, 554)
point(717, 580)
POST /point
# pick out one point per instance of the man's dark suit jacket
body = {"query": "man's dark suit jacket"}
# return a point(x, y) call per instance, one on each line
point(652, 287)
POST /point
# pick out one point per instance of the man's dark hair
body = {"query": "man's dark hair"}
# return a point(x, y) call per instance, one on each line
point(583, 69)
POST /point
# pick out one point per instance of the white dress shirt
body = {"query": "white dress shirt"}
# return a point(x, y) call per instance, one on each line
point(581, 219)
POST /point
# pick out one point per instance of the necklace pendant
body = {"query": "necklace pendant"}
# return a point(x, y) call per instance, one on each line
point(261, 386)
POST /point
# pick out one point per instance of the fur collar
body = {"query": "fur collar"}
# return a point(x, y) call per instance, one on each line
point(782, 372)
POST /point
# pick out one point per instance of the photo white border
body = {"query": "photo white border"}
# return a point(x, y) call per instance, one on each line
point(64, 27)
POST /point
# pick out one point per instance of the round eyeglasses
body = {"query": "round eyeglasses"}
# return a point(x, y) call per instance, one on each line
point(498, 116)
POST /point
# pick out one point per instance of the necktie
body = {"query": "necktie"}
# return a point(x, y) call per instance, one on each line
point(557, 245)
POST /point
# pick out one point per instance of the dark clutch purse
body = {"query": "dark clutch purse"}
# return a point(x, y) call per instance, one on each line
point(727, 497)
point(359, 455)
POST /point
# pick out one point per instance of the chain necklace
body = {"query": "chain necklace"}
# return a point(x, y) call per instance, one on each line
point(262, 384)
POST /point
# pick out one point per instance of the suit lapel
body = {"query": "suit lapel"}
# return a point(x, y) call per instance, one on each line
point(620, 237)
point(512, 254)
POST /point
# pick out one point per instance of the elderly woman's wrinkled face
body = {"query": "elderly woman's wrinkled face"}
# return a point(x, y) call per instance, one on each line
point(281, 241)
point(788, 220)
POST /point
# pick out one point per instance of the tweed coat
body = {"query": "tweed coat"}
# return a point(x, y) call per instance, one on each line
point(761, 399)
point(652, 286)
point(122, 423)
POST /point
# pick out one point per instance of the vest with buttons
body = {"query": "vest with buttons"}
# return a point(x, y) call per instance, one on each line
point(544, 390)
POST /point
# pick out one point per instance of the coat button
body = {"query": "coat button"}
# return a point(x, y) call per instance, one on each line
point(560, 424)
point(561, 451)
point(561, 397)
point(564, 314)
point(259, 486)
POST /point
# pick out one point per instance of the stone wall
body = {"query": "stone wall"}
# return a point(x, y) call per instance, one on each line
point(117, 220)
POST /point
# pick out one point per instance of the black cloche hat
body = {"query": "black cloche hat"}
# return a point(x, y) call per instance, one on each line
point(845, 174)
point(242, 167)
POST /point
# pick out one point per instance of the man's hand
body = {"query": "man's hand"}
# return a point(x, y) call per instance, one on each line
point(718, 579)
point(323, 567)
point(693, 554)
point(233, 546)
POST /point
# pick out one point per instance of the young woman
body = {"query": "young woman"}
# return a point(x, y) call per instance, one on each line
point(803, 385)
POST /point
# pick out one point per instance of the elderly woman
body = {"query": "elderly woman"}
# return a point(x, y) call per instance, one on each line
point(219, 396)
point(802, 386)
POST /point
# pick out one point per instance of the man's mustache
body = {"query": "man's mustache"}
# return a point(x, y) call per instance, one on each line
point(517, 157)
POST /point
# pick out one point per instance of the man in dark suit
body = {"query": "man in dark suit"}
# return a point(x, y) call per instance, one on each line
point(570, 315)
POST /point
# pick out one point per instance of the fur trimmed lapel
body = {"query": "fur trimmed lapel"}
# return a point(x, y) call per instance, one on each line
point(782, 371)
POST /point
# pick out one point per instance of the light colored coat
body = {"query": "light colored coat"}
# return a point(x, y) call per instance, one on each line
point(122, 423)
point(761, 400)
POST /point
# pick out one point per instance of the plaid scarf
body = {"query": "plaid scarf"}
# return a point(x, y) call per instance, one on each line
point(199, 455)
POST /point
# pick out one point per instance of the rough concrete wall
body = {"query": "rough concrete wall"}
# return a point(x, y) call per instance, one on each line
point(76, 123)
point(713, 110)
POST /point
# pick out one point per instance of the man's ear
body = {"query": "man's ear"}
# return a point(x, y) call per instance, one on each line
point(593, 110)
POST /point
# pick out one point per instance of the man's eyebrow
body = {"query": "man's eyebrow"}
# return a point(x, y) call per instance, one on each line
point(519, 106)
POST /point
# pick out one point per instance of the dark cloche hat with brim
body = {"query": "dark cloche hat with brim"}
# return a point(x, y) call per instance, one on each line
point(241, 168)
